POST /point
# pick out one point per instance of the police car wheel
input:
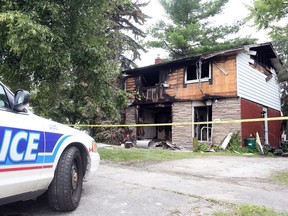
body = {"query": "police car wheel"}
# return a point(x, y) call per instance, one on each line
point(64, 193)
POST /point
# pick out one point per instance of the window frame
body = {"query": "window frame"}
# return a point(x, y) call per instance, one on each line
point(206, 79)
point(7, 101)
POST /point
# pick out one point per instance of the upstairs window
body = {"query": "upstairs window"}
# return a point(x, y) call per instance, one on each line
point(150, 78)
point(193, 75)
point(262, 63)
point(262, 59)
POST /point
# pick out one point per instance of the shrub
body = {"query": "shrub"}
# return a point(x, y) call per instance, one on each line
point(235, 144)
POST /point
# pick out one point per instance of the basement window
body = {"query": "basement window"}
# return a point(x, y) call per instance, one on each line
point(192, 75)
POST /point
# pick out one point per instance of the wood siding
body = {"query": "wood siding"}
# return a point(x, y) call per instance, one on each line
point(241, 80)
point(252, 84)
point(131, 84)
point(220, 85)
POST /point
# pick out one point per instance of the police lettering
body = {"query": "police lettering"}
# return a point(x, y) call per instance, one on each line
point(28, 152)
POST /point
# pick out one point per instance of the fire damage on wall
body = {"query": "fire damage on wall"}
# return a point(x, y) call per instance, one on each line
point(200, 80)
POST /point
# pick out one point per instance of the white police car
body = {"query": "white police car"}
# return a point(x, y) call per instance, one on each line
point(38, 155)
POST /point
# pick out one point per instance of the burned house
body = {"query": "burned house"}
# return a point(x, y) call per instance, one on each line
point(232, 84)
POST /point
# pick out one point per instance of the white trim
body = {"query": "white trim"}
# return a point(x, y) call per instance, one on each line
point(205, 79)
point(197, 80)
point(266, 128)
point(193, 119)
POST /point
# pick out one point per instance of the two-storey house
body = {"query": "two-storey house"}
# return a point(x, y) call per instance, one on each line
point(232, 84)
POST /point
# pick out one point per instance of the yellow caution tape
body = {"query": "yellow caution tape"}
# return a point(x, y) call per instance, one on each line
point(184, 123)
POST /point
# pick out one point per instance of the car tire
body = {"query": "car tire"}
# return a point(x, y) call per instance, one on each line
point(64, 192)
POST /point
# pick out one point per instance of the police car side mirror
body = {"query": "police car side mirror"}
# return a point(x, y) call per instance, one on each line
point(21, 100)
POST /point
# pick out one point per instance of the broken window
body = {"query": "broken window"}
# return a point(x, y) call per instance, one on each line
point(261, 58)
point(193, 74)
point(262, 63)
point(150, 78)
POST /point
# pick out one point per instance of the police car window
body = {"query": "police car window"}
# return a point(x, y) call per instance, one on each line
point(3, 98)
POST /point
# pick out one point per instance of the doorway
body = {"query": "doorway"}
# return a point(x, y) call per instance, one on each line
point(154, 115)
point(203, 131)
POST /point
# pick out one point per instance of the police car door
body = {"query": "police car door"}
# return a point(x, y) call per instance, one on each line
point(21, 139)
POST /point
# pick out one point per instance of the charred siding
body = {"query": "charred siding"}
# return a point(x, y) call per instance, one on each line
point(221, 85)
point(131, 84)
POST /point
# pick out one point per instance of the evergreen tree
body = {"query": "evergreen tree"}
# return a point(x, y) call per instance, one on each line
point(69, 54)
point(190, 31)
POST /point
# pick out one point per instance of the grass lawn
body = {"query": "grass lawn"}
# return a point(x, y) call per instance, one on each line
point(139, 155)
point(281, 177)
point(249, 210)
point(117, 154)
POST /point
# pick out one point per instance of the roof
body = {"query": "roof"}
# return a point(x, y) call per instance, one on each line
point(266, 47)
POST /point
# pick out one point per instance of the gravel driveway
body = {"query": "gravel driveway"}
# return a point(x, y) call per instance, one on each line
point(218, 179)
point(198, 186)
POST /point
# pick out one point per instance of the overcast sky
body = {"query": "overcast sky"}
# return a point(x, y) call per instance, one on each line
point(233, 11)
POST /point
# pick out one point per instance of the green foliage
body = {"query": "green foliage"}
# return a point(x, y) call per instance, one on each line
point(185, 12)
point(69, 55)
point(190, 32)
point(264, 12)
point(268, 15)
point(249, 210)
point(235, 141)
point(235, 144)
point(203, 147)
point(284, 146)
point(281, 177)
